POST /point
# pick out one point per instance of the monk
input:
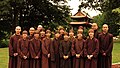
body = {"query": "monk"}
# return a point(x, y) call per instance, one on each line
point(78, 51)
point(23, 51)
point(46, 50)
point(31, 32)
point(106, 46)
point(95, 28)
point(55, 57)
point(72, 39)
point(91, 50)
point(35, 50)
point(61, 30)
point(65, 52)
point(80, 30)
point(42, 34)
point(13, 48)
point(71, 36)
point(39, 28)
point(31, 35)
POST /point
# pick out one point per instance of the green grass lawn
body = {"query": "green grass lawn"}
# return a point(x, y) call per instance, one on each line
point(4, 55)
point(116, 53)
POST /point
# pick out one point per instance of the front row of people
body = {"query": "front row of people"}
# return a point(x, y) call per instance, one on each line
point(39, 51)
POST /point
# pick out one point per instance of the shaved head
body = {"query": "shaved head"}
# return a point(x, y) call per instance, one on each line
point(40, 27)
point(18, 30)
point(105, 25)
point(105, 28)
point(18, 27)
point(32, 28)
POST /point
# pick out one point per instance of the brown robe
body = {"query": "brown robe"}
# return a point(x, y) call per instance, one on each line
point(72, 39)
point(30, 58)
point(106, 46)
point(30, 37)
point(23, 50)
point(13, 49)
point(45, 52)
point(91, 48)
point(61, 37)
point(55, 57)
point(96, 33)
point(78, 48)
point(35, 50)
point(65, 50)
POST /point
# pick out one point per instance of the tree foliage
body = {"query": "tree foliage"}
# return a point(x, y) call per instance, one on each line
point(110, 13)
point(31, 13)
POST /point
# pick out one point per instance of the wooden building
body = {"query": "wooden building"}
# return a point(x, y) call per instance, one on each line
point(80, 19)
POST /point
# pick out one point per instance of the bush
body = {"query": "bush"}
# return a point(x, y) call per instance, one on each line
point(4, 43)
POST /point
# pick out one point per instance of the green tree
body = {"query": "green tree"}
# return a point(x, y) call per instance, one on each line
point(31, 13)
point(110, 12)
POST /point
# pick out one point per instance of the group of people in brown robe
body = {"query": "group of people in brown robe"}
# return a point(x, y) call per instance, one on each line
point(65, 50)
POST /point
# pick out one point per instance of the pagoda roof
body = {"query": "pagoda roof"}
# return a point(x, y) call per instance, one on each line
point(81, 14)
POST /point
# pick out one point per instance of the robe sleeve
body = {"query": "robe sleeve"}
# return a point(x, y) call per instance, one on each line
point(69, 53)
point(32, 52)
point(73, 48)
point(61, 50)
point(19, 49)
point(82, 52)
point(28, 53)
point(109, 50)
point(96, 51)
point(11, 52)
point(100, 48)
point(52, 51)
point(39, 53)
point(85, 49)
point(44, 51)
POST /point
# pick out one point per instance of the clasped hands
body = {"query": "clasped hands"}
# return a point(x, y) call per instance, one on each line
point(89, 56)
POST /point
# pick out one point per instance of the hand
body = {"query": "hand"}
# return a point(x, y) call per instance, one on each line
point(25, 57)
point(15, 54)
point(91, 56)
point(36, 57)
point(88, 56)
point(65, 57)
point(77, 55)
point(104, 54)
point(48, 55)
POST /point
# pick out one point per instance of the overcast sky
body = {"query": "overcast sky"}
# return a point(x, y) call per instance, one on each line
point(74, 5)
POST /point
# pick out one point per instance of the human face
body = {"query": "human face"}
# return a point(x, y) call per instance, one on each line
point(31, 31)
point(94, 26)
point(105, 28)
point(36, 35)
point(39, 28)
point(80, 30)
point(79, 36)
point(66, 37)
point(42, 34)
point(24, 36)
point(48, 34)
point(91, 34)
point(57, 35)
point(62, 31)
point(18, 30)
point(71, 34)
